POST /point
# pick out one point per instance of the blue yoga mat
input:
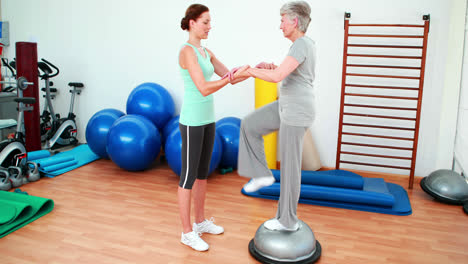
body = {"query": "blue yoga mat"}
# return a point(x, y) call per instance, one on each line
point(332, 178)
point(333, 194)
point(375, 196)
point(64, 161)
point(59, 166)
point(53, 160)
point(39, 154)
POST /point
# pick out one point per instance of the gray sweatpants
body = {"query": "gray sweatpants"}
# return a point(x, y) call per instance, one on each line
point(252, 162)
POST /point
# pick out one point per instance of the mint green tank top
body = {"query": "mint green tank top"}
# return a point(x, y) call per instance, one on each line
point(197, 110)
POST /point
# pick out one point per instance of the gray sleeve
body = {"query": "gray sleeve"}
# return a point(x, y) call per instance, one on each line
point(298, 50)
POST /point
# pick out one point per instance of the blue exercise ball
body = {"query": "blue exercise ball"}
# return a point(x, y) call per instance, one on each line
point(231, 120)
point(228, 129)
point(173, 152)
point(133, 142)
point(170, 126)
point(152, 101)
point(98, 128)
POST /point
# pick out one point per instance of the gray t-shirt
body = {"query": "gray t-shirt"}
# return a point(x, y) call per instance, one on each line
point(296, 99)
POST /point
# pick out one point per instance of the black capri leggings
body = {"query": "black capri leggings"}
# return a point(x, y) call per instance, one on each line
point(197, 147)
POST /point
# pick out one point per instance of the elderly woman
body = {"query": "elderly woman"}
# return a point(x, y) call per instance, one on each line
point(292, 114)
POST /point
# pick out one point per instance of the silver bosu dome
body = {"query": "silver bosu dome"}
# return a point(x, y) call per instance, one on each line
point(298, 246)
point(446, 186)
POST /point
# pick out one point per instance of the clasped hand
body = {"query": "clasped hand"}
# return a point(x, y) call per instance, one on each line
point(240, 74)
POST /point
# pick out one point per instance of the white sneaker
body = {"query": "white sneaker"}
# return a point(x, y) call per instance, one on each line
point(275, 225)
point(193, 240)
point(256, 183)
point(208, 226)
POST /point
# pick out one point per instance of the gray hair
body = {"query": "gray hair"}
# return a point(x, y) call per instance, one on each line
point(299, 10)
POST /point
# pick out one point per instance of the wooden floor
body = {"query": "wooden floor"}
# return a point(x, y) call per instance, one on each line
point(103, 215)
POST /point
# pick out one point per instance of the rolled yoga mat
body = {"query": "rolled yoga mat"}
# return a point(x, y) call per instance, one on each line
point(331, 178)
point(18, 210)
point(39, 154)
point(59, 166)
point(381, 197)
point(50, 161)
point(265, 93)
point(66, 161)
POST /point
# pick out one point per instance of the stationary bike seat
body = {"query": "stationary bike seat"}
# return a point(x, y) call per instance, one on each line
point(76, 84)
point(25, 100)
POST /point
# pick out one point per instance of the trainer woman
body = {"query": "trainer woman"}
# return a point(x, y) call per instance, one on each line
point(197, 123)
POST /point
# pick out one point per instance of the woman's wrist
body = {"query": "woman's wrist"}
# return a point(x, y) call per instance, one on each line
point(251, 72)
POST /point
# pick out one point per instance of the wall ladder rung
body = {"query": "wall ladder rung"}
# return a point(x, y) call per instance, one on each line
point(384, 46)
point(382, 96)
point(384, 56)
point(384, 66)
point(382, 107)
point(375, 155)
point(381, 86)
point(382, 76)
point(375, 126)
point(374, 146)
point(384, 36)
point(380, 116)
point(375, 165)
point(376, 136)
point(385, 25)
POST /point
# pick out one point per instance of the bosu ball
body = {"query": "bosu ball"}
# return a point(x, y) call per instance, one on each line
point(284, 246)
point(446, 186)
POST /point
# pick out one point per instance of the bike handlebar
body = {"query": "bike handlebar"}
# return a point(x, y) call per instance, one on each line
point(53, 66)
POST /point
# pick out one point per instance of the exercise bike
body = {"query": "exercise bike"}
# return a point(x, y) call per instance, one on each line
point(15, 170)
point(62, 131)
point(46, 120)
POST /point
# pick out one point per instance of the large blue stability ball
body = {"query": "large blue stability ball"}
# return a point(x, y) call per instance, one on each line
point(152, 101)
point(133, 142)
point(172, 124)
point(231, 120)
point(173, 152)
point(228, 129)
point(98, 128)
